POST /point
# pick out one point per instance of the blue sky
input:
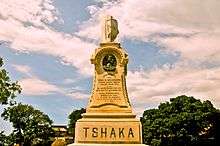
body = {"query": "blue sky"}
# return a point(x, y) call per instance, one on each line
point(173, 50)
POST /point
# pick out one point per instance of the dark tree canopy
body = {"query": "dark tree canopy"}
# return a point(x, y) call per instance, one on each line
point(8, 140)
point(8, 89)
point(31, 126)
point(2, 138)
point(73, 117)
point(184, 121)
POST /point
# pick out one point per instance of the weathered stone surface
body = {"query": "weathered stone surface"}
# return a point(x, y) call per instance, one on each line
point(109, 29)
point(109, 92)
point(108, 131)
point(109, 119)
point(80, 144)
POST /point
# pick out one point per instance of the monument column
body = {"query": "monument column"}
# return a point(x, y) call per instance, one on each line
point(109, 119)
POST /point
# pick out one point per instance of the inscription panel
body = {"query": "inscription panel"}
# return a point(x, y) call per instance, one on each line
point(109, 91)
point(104, 132)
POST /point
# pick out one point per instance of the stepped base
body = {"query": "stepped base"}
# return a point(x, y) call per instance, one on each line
point(80, 144)
point(108, 131)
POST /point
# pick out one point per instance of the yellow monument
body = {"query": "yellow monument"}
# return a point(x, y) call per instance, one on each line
point(109, 119)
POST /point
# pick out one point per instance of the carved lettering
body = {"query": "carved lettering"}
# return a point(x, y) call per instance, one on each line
point(94, 132)
point(86, 133)
point(130, 132)
point(109, 90)
point(113, 133)
point(104, 132)
point(121, 132)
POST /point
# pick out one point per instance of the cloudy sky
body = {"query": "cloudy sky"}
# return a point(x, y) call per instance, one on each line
point(173, 47)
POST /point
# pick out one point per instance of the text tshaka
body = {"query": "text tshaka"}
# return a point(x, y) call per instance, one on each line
point(108, 132)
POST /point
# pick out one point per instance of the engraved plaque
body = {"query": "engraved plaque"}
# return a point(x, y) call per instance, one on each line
point(109, 84)
point(109, 132)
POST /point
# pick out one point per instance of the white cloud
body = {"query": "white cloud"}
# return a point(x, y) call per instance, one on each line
point(134, 18)
point(202, 47)
point(180, 26)
point(137, 20)
point(188, 27)
point(36, 12)
point(69, 81)
point(32, 85)
point(23, 69)
point(159, 85)
point(15, 17)
point(163, 15)
point(68, 48)
point(77, 92)
point(37, 87)
point(78, 95)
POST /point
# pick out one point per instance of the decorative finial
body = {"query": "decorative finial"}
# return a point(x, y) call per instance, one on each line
point(109, 29)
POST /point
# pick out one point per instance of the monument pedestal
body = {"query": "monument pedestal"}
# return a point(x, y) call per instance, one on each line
point(76, 144)
point(109, 129)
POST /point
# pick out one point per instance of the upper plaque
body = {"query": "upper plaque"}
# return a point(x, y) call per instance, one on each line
point(109, 29)
point(109, 85)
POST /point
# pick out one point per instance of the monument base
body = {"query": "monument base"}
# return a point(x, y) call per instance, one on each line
point(108, 131)
point(80, 144)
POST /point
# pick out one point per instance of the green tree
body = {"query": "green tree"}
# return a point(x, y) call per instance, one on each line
point(31, 126)
point(73, 117)
point(184, 121)
point(2, 138)
point(8, 89)
point(7, 140)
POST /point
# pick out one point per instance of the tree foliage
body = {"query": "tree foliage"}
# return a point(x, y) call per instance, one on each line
point(73, 117)
point(8, 89)
point(31, 126)
point(184, 121)
point(2, 138)
point(7, 139)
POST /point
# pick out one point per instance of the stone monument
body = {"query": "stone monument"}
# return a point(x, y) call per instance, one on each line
point(109, 119)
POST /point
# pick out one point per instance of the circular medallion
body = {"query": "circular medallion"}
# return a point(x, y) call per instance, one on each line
point(109, 62)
